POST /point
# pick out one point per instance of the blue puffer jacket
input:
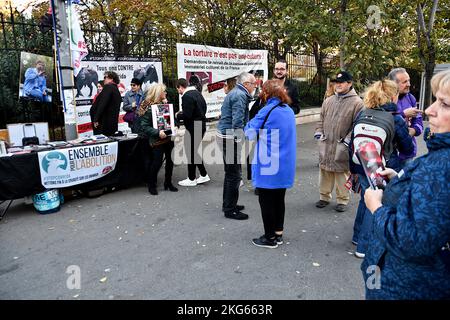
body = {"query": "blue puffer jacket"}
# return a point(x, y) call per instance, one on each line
point(402, 141)
point(234, 112)
point(411, 228)
point(273, 165)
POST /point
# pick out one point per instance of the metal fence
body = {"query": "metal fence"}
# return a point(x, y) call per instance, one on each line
point(18, 34)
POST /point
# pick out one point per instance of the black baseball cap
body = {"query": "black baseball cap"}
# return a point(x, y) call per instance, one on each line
point(136, 81)
point(343, 76)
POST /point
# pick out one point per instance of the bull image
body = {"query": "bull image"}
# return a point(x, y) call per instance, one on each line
point(86, 77)
point(55, 163)
point(147, 75)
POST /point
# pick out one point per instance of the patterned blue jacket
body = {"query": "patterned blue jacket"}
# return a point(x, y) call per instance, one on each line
point(411, 228)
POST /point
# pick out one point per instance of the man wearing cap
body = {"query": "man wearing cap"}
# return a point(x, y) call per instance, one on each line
point(406, 106)
point(132, 100)
point(333, 130)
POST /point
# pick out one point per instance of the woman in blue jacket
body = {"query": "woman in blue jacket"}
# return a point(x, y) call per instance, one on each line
point(273, 165)
point(408, 254)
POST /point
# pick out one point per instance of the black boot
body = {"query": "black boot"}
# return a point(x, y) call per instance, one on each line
point(170, 186)
point(153, 191)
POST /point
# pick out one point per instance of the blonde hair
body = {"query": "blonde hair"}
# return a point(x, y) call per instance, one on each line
point(330, 89)
point(441, 81)
point(153, 96)
point(380, 93)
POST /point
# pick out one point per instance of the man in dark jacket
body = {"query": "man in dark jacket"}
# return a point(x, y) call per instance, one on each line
point(280, 73)
point(105, 110)
point(193, 114)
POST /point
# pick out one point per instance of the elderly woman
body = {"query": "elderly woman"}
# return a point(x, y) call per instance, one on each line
point(407, 257)
point(161, 144)
point(273, 166)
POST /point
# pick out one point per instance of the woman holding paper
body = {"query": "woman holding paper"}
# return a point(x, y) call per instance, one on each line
point(409, 246)
point(161, 144)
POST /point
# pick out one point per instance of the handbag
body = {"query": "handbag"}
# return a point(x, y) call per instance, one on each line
point(130, 116)
point(34, 140)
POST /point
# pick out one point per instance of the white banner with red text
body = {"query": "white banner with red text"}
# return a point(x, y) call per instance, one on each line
point(214, 66)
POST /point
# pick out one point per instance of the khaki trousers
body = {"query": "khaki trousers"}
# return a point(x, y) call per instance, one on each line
point(328, 179)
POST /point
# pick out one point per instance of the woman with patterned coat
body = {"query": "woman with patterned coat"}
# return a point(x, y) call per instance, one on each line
point(408, 253)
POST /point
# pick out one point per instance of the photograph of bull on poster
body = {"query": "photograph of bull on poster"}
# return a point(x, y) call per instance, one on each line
point(163, 118)
point(213, 66)
point(87, 83)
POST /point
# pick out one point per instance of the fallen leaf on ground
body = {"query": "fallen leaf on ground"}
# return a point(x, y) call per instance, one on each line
point(103, 280)
point(315, 264)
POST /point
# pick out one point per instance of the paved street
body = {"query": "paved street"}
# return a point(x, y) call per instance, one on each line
point(179, 245)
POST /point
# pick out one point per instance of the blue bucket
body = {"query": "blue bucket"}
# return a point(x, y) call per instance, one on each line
point(47, 202)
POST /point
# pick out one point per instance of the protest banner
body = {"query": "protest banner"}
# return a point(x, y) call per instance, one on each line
point(149, 70)
point(67, 167)
point(214, 65)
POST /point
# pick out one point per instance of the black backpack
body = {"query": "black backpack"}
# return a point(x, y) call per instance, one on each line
point(377, 126)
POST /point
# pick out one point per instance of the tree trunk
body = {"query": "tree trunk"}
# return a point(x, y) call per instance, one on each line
point(429, 70)
point(343, 39)
point(318, 57)
point(427, 51)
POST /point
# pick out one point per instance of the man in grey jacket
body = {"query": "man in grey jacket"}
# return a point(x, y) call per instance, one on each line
point(230, 135)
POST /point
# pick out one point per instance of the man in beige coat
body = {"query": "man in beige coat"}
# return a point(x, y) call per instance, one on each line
point(333, 134)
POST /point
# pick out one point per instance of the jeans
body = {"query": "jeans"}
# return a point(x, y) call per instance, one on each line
point(233, 173)
point(363, 225)
point(158, 152)
point(272, 206)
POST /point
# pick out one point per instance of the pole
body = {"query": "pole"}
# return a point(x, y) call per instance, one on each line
point(64, 67)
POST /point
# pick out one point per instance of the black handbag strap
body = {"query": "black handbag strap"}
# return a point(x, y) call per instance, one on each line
point(265, 120)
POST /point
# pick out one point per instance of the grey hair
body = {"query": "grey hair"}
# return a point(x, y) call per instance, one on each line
point(244, 77)
point(393, 74)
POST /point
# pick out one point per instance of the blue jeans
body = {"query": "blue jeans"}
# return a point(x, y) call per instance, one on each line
point(362, 227)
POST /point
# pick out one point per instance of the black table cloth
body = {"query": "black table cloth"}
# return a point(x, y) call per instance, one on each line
point(20, 175)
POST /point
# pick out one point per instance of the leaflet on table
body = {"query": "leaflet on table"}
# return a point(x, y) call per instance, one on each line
point(71, 166)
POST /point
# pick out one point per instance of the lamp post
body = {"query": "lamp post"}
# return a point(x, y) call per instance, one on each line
point(64, 67)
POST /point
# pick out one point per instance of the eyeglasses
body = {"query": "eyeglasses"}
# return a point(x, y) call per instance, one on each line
point(280, 69)
point(252, 83)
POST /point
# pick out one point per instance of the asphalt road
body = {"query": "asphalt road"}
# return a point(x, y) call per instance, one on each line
point(131, 245)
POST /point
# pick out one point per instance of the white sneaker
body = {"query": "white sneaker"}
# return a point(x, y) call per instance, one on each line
point(187, 183)
point(359, 255)
point(202, 179)
point(241, 184)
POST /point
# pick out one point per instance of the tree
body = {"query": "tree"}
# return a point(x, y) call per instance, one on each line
point(227, 23)
point(426, 39)
point(127, 21)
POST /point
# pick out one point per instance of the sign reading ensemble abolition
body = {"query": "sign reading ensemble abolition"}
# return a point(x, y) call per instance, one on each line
point(72, 166)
